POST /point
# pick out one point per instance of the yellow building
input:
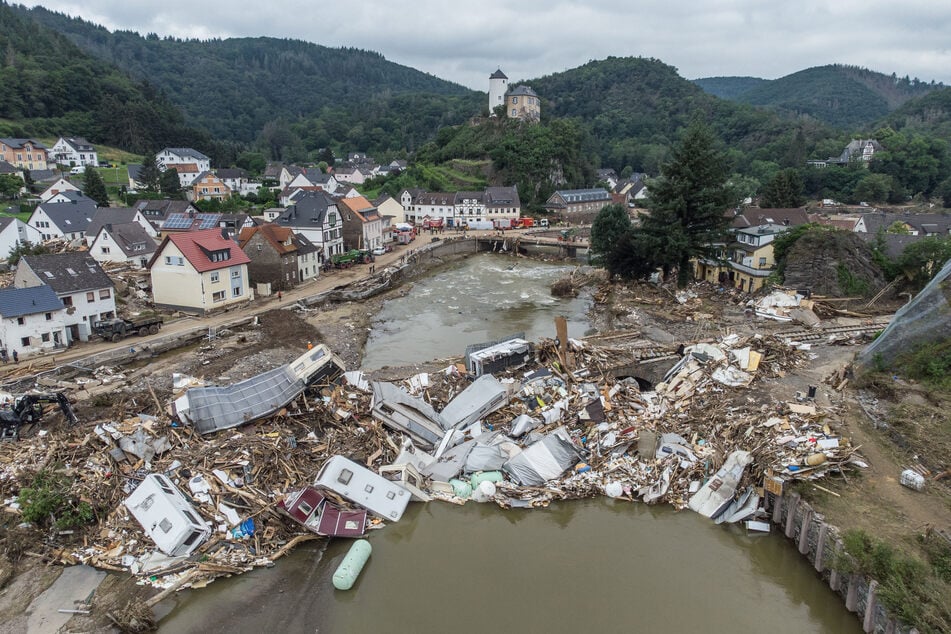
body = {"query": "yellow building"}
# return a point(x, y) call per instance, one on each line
point(744, 264)
point(523, 103)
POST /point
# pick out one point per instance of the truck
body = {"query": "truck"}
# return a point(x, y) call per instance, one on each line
point(119, 328)
point(504, 223)
point(526, 223)
point(351, 257)
point(480, 225)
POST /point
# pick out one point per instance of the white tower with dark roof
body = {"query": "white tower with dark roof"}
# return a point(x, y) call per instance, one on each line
point(498, 85)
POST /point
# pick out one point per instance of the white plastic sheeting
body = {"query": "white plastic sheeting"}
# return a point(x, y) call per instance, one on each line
point(544, 460)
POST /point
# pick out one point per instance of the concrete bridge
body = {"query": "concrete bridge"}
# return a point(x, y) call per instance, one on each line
point(526, 244)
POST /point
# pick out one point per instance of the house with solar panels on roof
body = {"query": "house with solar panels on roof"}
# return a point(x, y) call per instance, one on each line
point(31, 321)
point(199, 272)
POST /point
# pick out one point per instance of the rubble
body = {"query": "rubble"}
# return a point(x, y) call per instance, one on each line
point(569, 424)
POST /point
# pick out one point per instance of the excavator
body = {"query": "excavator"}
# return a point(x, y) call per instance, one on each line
point(28, 409)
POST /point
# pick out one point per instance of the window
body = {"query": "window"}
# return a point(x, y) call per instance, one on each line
point(514, 112)
point(104, 250)
point(236, 291)
point(368, 488)
point(305, 508)
point(344, 477)
point(514, 100)
point(49, 316)
point(24, 341)
point(45, 337)
point(214, 277)
point(235, 273)
point(104, 293)
point(165, 525)
point(762, 261)
point(218, 296)
point(21, 321)
point(90, 297)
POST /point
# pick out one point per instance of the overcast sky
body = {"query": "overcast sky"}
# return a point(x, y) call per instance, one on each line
point(465, 42)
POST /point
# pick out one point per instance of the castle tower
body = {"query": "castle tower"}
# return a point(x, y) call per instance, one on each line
point(498, 85)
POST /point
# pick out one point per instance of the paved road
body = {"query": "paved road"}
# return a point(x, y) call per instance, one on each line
point(185, 325)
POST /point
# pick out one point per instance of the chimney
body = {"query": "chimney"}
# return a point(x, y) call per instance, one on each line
point(224, 233)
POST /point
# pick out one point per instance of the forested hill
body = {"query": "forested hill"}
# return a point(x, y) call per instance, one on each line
point(728, 87)
point(929, 115)
point(50, 87)
point(633, 108)
point(846, 97)
point(235, 87)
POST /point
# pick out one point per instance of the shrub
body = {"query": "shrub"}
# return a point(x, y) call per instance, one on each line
point(48, 502)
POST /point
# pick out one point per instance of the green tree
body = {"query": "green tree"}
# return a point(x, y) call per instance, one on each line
point(609, 226)
point(10, 185)
point(783, 191)
point(25, 248)
point(150, 175)
point(874, 188)
point(922, 259)
point(944, 191)
point(169, 183)
point(688, 205)
point(94, 187)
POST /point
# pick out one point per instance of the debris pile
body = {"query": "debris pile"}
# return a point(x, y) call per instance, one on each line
point(578, 420)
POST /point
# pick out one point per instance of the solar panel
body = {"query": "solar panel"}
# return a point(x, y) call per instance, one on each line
point(177, 221)
point(207, 221)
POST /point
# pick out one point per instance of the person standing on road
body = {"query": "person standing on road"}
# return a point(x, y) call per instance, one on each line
point(16, 357)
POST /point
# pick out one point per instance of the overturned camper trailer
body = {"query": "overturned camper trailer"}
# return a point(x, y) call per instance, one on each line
point(167, 516)
point(211, 409)
point(485, 395)
point(403, 412)
point(310, 508)
point(361, 486)
point(487, 358)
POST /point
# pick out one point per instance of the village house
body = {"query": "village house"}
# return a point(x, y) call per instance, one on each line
point(209, 187)
point(157, 211)
point(362, 224)
point(13, 233)
point(188, 222)
point(389, 207)
point(67, 220)
point(126, 243)
point(117, 216)
point(60, 186)
point(316, 216)
point(857, 151)
point(182, 155)
point(523, 103)
point(74, 151)
point(502, 203)
point(134, 173)
point(747, 262)
point(28, 154)
point(31, 321)
point(78, 280)
point(188, 173)
point(199, 272)
point(279, 257)
point(432, 206)
point(237, 181)
point(570, 201)
point(466, 206)
point(352, 175)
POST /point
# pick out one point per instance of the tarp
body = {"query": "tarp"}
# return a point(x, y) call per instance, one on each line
point(485, 458)
point(212, 409)
point(544, 460)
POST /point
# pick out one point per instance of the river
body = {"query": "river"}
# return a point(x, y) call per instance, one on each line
point(589, 565)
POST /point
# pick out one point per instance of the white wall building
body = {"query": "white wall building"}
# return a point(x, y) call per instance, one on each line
point(14, 232)
point(74, 151)
point(31, 321)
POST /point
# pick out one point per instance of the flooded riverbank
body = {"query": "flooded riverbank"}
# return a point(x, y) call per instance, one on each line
point(481, 298)
point(576, 566)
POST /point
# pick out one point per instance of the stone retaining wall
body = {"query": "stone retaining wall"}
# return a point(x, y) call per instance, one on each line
point(819, 542)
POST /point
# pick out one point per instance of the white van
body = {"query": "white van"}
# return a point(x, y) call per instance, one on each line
point(79, 169)
point(543, 222)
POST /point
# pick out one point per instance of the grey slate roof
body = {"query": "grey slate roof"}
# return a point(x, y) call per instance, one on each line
point(134, 169)
point(502, 197)
point(132, 238)
point(4, 221)
point(78, 143)
point(308, 212)
point(73, 216)
point(479, 197)
point(186, 152)
point(498, 74)
point(17, 302)
point(109, 216)
point(755, 217)
point(232, 173)
point(156, 211)
point(582, 195)
point(69, 272)
point(16, 143)
point(8, 168)
point(520, 91)
point(304, 245)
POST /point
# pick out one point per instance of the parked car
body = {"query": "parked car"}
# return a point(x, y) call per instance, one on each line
point(379, 250)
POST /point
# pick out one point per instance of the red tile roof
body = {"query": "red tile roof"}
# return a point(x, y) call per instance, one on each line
point(276, 235)
point(196, 246)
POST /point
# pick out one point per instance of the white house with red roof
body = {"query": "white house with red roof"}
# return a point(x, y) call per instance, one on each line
point(199, 272)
